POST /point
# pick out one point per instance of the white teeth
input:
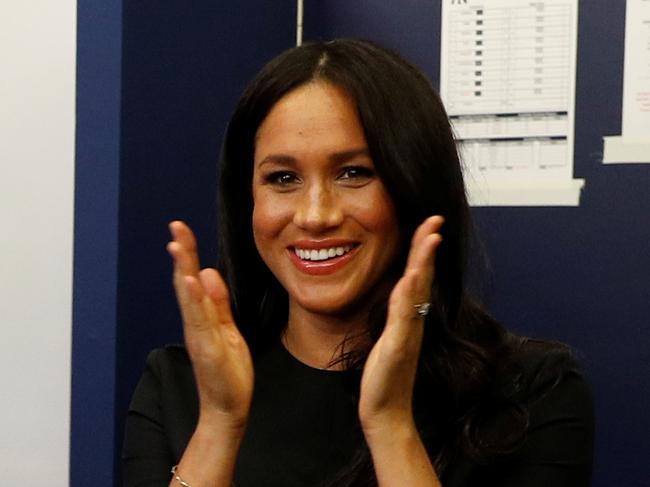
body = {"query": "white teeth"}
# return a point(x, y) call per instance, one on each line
point(322, 254)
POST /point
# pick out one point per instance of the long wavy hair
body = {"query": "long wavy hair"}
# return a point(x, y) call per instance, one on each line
point(414, 152)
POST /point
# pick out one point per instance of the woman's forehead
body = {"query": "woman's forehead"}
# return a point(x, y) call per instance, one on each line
point(318, 116)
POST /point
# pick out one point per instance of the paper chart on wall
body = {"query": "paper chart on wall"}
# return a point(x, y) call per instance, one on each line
point(508, 82)
point(634, 143)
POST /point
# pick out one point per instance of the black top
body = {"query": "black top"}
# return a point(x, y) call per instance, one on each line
point(304, 428)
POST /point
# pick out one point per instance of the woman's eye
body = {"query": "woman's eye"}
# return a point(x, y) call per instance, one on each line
point(281, 178)
point(356, 173)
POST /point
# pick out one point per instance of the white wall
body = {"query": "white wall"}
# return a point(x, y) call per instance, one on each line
point(37, 81)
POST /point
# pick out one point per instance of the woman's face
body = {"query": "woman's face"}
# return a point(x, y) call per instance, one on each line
point(323, 221)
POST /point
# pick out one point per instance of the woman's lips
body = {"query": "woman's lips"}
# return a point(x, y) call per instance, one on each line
point(321, 267)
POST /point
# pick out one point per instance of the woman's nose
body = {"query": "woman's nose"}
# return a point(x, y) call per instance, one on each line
point(319, 209)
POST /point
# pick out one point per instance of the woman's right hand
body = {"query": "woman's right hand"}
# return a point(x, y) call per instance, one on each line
point(220, 358)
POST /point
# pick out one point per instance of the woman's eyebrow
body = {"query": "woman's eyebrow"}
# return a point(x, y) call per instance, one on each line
point(336, 157)
point(282, 159)
point(345, 156)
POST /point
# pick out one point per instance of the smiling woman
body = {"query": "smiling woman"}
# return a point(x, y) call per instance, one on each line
point(316, 193)
point(343, 234)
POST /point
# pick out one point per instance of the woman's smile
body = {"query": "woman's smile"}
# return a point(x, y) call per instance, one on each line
point(323, 220)
point(324, 257)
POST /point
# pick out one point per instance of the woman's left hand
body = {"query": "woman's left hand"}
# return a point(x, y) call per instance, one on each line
point(389, 374)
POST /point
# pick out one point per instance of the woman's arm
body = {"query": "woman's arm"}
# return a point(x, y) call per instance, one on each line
point(559, 443)
point(221, 363)
point(399, 457)
point(210, 456)
point(386, 400)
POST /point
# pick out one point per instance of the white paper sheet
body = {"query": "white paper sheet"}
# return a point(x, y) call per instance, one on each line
point(634, 143)
point(508, 82)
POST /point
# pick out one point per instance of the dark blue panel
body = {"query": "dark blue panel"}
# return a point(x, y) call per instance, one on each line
point(575, 274)
point(408, 26)
point(95, 242)
point(184, 67)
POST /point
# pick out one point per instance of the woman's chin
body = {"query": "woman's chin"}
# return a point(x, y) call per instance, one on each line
point(333, 306)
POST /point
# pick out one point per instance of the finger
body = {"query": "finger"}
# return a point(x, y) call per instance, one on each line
point(408, 293)
point(197, 309)
point(420, 267)
point(194, 289)
point(422, 257)
point(191, 300)
point(187, 248)
point(430, 226)
point(404, 327)
point(216, 289)
point(189, 290)
point(414, 287)
point(184, 263)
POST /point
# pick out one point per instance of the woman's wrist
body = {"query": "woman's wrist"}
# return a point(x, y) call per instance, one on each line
point(399, 455)
point(389, 429)
point(211, 454)
point(220, 425)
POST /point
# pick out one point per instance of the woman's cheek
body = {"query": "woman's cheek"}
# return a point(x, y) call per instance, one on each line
point(270, 218)
point(376, 211)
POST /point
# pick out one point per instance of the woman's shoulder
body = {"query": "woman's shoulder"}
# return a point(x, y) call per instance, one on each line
point(545, 381)
point(164, 406)
point(541, 409)
point(552, 375)
point(530, 368)
point(168, 359)
point(166, 379)
point(560, 413)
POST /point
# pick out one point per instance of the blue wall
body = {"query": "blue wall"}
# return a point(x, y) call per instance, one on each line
point(156, 84)
point(580, 275)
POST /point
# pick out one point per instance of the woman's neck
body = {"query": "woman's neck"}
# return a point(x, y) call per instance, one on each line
point(316, 339)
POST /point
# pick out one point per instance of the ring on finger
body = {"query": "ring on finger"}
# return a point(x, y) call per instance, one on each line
point(422, 308)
